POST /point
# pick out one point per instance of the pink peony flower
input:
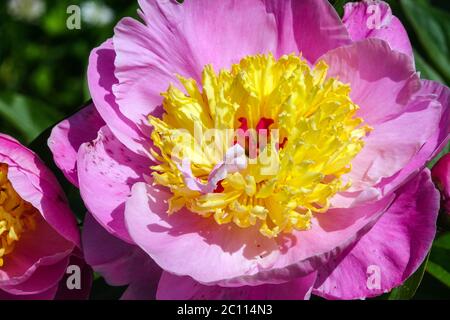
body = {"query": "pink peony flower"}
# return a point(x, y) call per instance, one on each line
point(38, 234)
point(343, 208)
point(441, 176)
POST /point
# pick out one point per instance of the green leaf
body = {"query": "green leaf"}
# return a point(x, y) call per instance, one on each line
point(439, 262)
point(339, 5)
point(27, 116)
point(442, 242)
point(439, 273)
point(54, 22)
point(426, 71)
point(408, 289)
point(102, 291)
point(432, 27)
point(440, 155)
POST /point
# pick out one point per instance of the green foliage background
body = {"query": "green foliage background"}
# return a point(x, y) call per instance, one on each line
point(43, 80)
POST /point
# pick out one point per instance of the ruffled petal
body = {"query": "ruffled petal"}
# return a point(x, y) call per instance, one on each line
point(309, 27)
point(182, 39)
point(167, 239)
point(193, 39)
point(35, 183)
point(440, 94)
point(43, 278)
point(118, 262)
point(387, 152)
point(173, 287)
point(382, 81)
point(392, 250)
point(68, 135)
point(374, 19)
point(387, 89)
point(105, 165)
point(238, 256)
point(143, 288)
point(101, 78)
point(47, 295)
point(30, 255)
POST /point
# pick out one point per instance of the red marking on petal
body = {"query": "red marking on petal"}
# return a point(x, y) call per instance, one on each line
point(264, 124)
point(219, 188)
point(244, 124)
point(283, 143)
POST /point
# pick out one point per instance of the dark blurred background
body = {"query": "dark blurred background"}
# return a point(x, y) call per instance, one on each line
point(43, 63)
point(43, 72)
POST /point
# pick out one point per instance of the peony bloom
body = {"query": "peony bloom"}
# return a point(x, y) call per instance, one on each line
point(278, 155)
point(38, 234)
point(441, 176)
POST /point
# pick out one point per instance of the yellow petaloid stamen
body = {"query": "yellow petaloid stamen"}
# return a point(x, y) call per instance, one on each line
point(312, 114)
point(16, 215)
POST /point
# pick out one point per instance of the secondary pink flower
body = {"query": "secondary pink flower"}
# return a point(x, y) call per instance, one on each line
point(441, 176)
point(38, 234)
point(338, 106)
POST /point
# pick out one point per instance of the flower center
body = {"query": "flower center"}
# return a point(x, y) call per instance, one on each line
point(16, 215)
point(263, 144)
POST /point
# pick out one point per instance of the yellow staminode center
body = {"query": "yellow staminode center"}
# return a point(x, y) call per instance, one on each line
point(16, 215)
point(302, 129)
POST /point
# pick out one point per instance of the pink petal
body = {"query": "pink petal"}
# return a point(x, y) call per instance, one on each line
point(239, 256)
point(69, 134)
point(143, 288)
point(440, 95)
point(198, 33)
point(382, 81)
point(44, 278)
point(311, 27)
point(387, 152)
point(330, 235)
point(30, 255)
point(105, 165)
point(182, 39)
point(101, 79)
point(374, 19)
point(172, 287)
point(47, 295)
point(167, 239)
point(395, 246)
point(118, 262)
point(101, 248)
point(36, 184)
point(233, 161)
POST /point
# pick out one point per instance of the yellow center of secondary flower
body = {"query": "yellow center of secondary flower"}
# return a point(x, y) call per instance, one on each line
point(16, 215)
point(264, 144)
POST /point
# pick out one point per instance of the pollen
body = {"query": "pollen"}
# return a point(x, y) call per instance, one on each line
point(264, 144)
point(16, 216)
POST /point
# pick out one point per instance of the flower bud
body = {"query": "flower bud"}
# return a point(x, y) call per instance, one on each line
point(441, 177)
